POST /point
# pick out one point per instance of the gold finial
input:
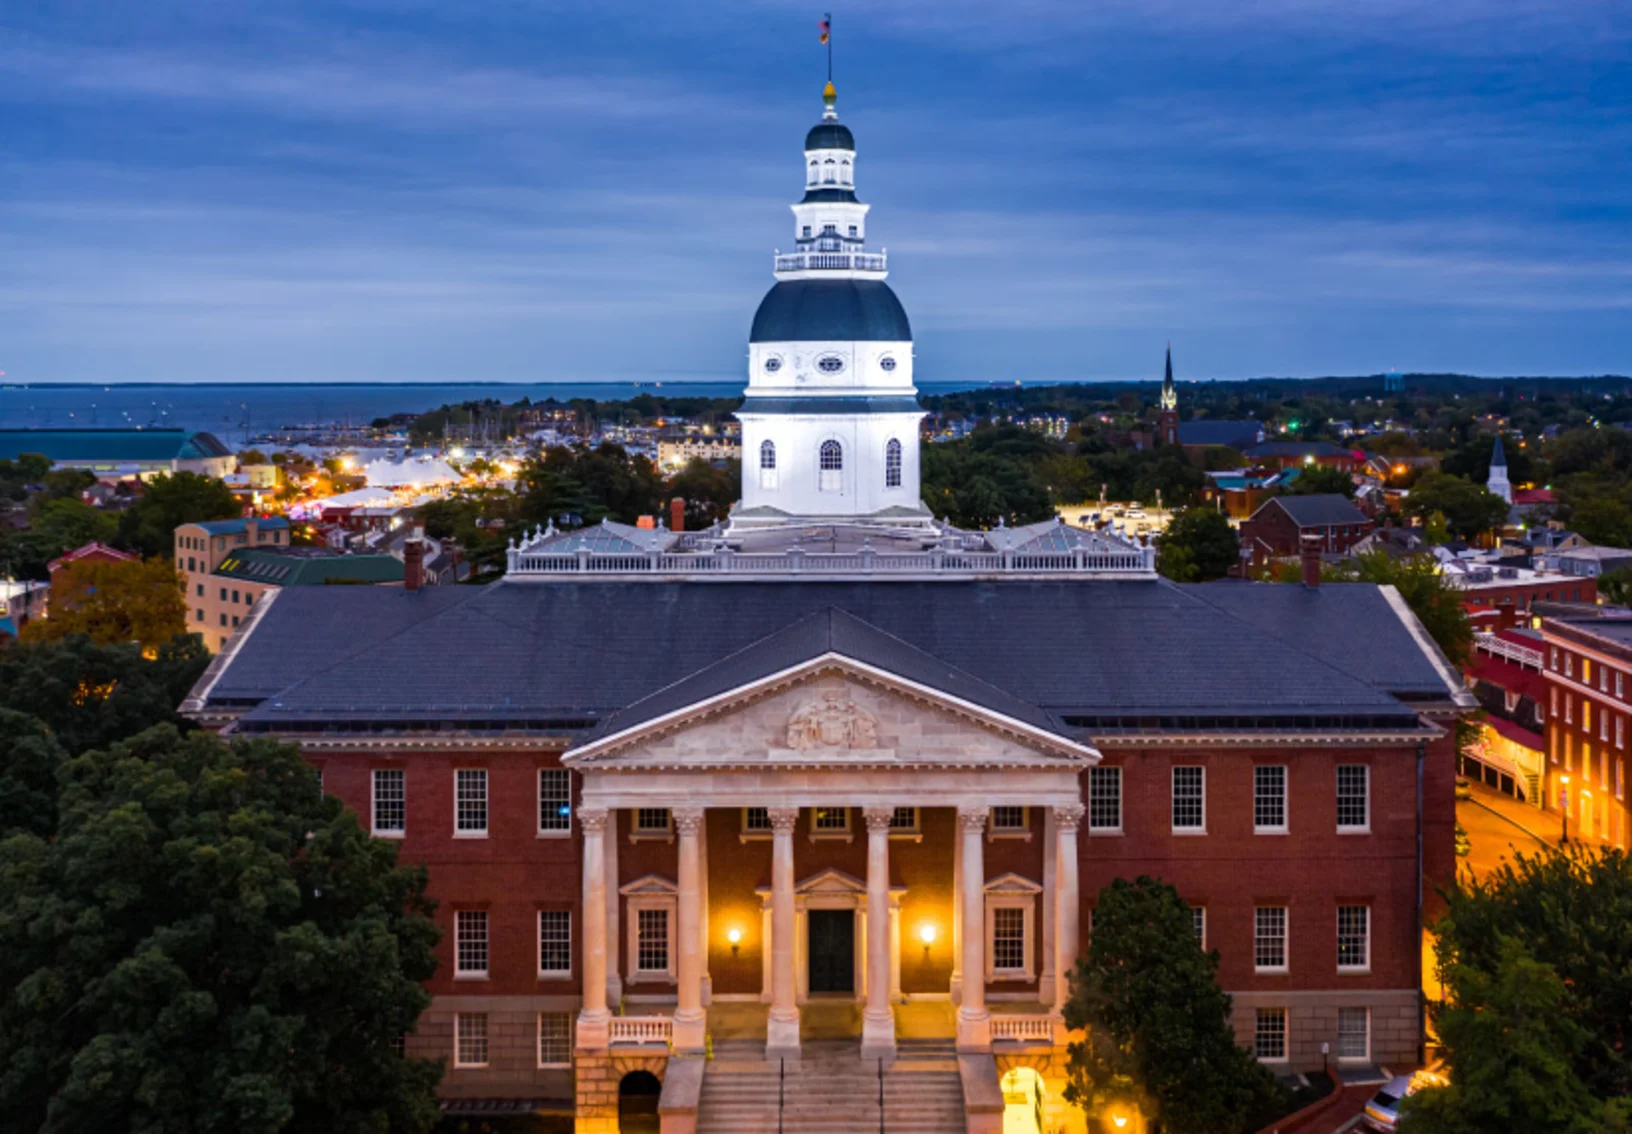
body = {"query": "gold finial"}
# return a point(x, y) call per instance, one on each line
point(830, 94)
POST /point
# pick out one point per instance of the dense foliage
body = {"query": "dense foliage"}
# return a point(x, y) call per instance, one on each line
point(208, 943)
point(149, 525)
point(1158, 1026)
point(1199, 544)
point(1466, 509)
point(133, 600)
point(1536, 1026)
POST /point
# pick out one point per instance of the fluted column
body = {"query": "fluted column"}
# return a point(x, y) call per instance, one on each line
point(594, 1021)
point(974, 1022)
point(782, 1028)
point(1066, 913)
point(878, 1021)
point(689, 1018)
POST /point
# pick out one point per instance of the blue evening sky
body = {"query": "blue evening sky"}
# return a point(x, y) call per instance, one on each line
point(535, 190)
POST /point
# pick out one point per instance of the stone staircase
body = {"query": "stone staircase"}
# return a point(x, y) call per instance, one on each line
point(832, 1090)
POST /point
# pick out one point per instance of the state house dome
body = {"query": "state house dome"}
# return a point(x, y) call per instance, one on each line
point(830, 310)
point(830, 136)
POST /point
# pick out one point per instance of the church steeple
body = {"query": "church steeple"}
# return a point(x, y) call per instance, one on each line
point(1170, 397)
point(1497, 483)
point(1167, 415)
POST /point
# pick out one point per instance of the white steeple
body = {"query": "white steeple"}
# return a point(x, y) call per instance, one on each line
point(830, 417)
point(1497, 483)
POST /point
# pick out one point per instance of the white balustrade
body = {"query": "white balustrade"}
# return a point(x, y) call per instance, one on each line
point(1024, 1029)
point(641, 1029)
point(1511, 651)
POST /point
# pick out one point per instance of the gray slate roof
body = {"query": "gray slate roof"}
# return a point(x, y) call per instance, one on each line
point(1098, 654)
point(1318, 511)
point(1233, 434)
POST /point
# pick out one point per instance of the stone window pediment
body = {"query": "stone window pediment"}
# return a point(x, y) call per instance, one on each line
point(650, 886)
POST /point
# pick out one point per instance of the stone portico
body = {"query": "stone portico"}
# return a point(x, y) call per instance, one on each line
point(830, 735)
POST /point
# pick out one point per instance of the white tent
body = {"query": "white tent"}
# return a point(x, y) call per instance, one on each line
point(410, 473)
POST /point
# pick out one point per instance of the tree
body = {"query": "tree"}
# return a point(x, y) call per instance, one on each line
point(708, 492)
point(89, 696)
point(209, 943)
point(29, 758)
point(989, 476)
point(1537, 1023)
point(58, 526)
point(1616, 586)
point(1198, 545)
point(131, 600)
point(1158, 1025)
point(149, 525)
point(1468, 509)
point(1322, 480)
point(1603, 519)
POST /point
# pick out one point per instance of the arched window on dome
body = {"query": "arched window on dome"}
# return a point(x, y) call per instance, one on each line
point(767, 464)
point(811, 177)
point(844, 171)
point(828, 175)
point(830, 463)
point(892, 464)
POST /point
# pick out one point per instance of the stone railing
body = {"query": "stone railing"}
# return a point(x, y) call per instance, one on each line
point(641, 1029)
point(1024, 1029)
point(1130, 560)
point(831, 261)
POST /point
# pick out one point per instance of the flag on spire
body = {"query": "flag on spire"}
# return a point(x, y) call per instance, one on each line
point(827, 27)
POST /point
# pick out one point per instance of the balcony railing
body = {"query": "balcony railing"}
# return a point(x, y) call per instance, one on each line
point(709, 563)
point(1501, 648)
point(830, 262)
point(641, 1029)
point(1025, 1029)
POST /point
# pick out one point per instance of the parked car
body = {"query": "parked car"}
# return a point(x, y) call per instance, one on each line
point(1382, 1113)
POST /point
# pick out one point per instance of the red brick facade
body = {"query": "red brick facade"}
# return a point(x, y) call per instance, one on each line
point(1589, 703)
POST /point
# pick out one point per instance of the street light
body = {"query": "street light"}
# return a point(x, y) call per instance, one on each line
point(1564, 808)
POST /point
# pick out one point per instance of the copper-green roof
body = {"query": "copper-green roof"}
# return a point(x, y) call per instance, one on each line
point(111, 446)
point(307, 567)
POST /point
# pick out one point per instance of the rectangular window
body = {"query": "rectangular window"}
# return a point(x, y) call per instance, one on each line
point(1008, 939)
point(1269, 799)
point(555, 1039)
point(199, 616)
point(652, 945)
point(904, 820)
point(223, 619)
point(1198, 921)
point(1353, 797)
point(470, 1039)
point(554, 799)
point(1354, 1033)
point(756, 819)
point(1269, 939)
point(1554, 651)
point(1603, 680)
point(1104, 799)
point(1603, 726)
point(1569, 664)
point(1569, 709)
point(1008, 819)
point(554, 943)
point(470, 801)
point(1189, 799)
point(830, 819)
point(1620, 732)
point(390, 801)
point(470, 943)
point(1620, 779)
point(1269, 1036)
point(1354, 938)
point(1620, 684)
point(652, 820)
point(223, 594)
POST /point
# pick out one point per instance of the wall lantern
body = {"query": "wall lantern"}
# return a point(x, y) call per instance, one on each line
point(734, 935)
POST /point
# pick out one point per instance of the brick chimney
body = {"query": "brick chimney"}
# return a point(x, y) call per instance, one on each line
point(1311, 561)
point(413, 563)
point(677, 514)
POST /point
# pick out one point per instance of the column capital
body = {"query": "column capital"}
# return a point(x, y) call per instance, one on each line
point(878, 818)
point(687, 820)
point(1068, 816)
point(783, 818)
point(973, 818)
point(592, 819)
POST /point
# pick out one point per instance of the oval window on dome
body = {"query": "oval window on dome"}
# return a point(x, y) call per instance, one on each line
point(773, 364)
point(887, 363)
point(830, 364)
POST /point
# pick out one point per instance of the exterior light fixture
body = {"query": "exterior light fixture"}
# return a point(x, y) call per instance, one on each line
point(926, 934)
point(734, 935)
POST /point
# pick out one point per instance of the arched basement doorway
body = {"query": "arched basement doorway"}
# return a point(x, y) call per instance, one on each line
point(1023, 1101)
point(638, 1093)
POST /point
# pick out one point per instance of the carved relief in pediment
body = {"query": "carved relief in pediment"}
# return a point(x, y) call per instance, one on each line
point(832, 721)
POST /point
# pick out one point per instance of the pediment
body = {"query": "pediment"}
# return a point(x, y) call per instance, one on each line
point(831, 881)
point(831, 713)
point(649, 886)
point(1012, 884)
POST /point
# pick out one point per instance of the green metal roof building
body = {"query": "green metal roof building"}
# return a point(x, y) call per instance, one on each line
point(306, 567)
point(123, 452)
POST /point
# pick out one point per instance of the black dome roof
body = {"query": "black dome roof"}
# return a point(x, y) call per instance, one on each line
point(830, 136)
point(840, 310)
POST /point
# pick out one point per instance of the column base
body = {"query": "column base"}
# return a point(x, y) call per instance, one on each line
point(689, 1036)
point(594, 1031)
point(782, 1036)
point(878, 1035)
point(974, 1031)
point(956, 989)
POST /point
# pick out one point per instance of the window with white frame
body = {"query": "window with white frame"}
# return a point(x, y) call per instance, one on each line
point(1620, 779)
point(555, 1039)
point(1008, 939)
point(1354, 1033)
point(1189, 798)
point(830, 467)
point(1353, 938)
point(554, 800)
point(470, 943)
point(1269, 799)
point(1009, 820)
point(652, 821)
point(1569, 664)
point(1554, 659)
point(390, 801)
point(555, 943)
point(470, 1039)
point(1198, 922)
point(1353, 797)
point(1269, 1035)
point(1569, 709)
point(892, 464)
point(652, 941)
point(470, 801)
point(830, 820)
point(767, 465)
point(904, 820)
point(1620, 732)
point(1603, 726)
point(1269, 939)
point(1620, 684)
point(1011, 910)
point(756, 820)
point(1104, 799)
